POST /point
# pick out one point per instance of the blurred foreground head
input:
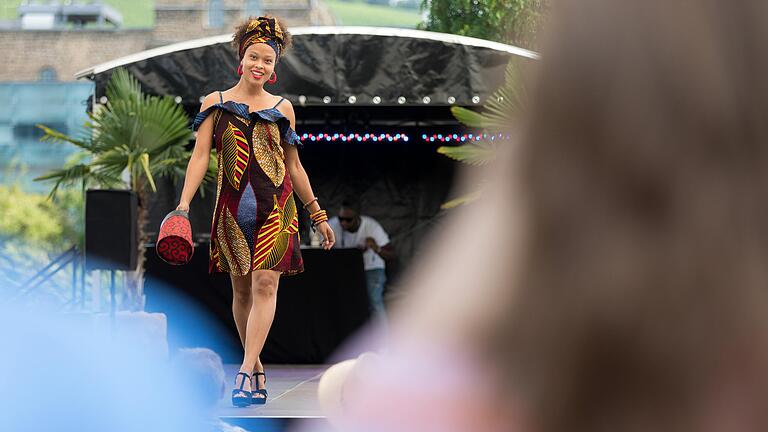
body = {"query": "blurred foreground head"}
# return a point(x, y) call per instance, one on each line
point(642, 300)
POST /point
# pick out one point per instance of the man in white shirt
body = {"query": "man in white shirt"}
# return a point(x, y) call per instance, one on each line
point(354, 230)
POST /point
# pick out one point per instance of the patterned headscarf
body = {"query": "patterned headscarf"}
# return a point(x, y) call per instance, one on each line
point(262, 30)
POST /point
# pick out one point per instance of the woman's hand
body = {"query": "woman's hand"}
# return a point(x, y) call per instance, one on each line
point(183, 206)
point(328, 236)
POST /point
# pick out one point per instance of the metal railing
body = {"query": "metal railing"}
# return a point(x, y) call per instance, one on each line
point(72, 259)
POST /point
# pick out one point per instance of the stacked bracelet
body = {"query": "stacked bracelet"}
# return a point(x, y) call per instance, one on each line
point(318, 217)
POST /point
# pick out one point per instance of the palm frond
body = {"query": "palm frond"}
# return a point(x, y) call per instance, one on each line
point(144, 160)
point(468, 117)
point(473, 153)
point(52, 135)
point(462, 200)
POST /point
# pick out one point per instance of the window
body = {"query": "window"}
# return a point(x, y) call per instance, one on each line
point(47, 74)
point(215, 13)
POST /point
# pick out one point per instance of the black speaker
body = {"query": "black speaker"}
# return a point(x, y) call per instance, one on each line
point(111, 240)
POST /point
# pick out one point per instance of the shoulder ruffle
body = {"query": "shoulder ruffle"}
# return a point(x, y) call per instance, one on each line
point(271, 114)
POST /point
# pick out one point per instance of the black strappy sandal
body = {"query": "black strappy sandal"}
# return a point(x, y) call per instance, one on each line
point(241, 398)
point(256, 400)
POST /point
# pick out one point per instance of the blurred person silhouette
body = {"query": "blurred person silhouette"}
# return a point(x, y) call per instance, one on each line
point(642, 299)
point(618, 278)
point(205, 371)
point(67, 372)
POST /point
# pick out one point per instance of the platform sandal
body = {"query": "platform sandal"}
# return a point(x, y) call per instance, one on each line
point(258, 400)
point(241, 398)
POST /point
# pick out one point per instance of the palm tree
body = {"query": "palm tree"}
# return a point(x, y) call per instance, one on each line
point(135, 134)
point(498, 114)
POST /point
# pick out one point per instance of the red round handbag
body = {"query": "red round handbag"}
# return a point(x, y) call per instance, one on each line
point(174, 241)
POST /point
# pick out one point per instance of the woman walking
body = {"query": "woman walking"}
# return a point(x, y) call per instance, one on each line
point(254, 233)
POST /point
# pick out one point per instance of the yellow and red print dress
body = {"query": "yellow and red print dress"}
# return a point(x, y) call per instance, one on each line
point(255, 224)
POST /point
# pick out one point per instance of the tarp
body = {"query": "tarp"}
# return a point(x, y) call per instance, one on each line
point(334, 62)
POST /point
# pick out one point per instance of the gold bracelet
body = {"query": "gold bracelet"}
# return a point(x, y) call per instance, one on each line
point(310, 202)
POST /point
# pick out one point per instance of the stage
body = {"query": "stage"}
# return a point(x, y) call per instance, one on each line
point(292, 399)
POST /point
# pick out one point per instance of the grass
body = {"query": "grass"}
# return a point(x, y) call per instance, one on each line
point(136, 13)
point(358, 12)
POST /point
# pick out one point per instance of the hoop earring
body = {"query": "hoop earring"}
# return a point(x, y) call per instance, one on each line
point(240, 69)
point(273, 78)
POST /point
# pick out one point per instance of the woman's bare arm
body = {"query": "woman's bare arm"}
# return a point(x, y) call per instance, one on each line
point(300, 179)
point(198, 162)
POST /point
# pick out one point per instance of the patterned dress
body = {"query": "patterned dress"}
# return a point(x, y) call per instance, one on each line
point(255, 224)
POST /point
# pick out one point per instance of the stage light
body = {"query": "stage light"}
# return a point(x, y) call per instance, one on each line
point(352, 99)
point(426, 99)
point(401, 100)
point(476, 99)
point(103, 100)
point(500, 99)
point(451, 100)
point(302, 99)
point(202, 98)
point(424, 136)
point(376, 100)
point(326, 99)
point(177, 99)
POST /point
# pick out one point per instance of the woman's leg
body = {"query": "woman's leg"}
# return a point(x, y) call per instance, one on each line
point(264, 293)
point(241, 308)
point(241, 303)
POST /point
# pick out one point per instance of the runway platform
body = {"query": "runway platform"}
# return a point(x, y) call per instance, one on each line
point(292, 399)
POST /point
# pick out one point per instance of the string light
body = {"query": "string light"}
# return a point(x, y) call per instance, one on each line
point(464, 137)
point(356, 137)
point(402, 137)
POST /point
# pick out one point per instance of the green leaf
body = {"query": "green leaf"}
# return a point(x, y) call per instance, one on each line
point(473, 153)
point(462, 200)
point(52, 135)
point(144, 159)
point(468, 117)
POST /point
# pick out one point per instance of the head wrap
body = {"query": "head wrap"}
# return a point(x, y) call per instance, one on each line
point(262, 30)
